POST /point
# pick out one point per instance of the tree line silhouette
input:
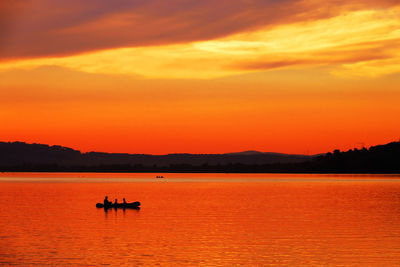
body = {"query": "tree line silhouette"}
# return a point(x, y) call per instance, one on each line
point(376, 159)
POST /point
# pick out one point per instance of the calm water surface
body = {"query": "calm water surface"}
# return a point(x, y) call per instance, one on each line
point(200, 219)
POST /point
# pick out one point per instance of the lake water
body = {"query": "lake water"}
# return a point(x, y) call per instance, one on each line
point(200, 219)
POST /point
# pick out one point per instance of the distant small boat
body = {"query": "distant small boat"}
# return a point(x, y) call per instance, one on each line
point(159, 176)
point(132, 205)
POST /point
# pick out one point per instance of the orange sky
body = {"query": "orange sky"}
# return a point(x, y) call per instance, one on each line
point(200, 77)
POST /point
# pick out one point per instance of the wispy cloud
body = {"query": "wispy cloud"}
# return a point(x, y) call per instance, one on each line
point(55, 27)
point(359, 40)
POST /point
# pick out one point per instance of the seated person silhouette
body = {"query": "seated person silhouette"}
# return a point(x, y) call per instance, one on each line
point(106, 202)
point(115, 203)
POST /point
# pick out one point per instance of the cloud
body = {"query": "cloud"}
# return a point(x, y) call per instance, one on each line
point(338, 42)
point(54, 27)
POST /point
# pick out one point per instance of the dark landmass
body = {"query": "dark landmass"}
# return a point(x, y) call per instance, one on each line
point(18, 156)
point(23, 155)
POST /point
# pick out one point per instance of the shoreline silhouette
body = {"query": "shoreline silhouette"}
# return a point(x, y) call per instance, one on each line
point(22, 157)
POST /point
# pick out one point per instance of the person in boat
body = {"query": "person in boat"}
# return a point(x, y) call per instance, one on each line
point(106, 202)
point(124, 201)
point(116, 202)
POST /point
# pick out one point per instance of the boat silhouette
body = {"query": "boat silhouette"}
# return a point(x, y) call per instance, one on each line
point(132, 205)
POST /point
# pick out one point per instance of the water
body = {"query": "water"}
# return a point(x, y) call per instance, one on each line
point(200, 219)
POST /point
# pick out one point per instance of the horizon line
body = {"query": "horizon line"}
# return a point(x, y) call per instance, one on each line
point(183, 153)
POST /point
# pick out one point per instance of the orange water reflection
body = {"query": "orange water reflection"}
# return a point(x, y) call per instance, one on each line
point(306, 222)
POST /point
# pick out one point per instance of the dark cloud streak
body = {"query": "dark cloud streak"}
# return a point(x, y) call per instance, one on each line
point(56, 27)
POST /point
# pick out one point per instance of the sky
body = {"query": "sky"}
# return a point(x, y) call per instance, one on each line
point(186, 76)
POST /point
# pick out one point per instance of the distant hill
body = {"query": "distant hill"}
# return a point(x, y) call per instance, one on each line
point(18, 156)
point(23, 154)
point(19, 153)
point(250, 152)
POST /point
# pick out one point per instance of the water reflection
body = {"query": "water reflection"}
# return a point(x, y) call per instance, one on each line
point(118, 210)
point(350, 223)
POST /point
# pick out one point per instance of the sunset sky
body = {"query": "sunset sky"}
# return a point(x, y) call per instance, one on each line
point(156, 76)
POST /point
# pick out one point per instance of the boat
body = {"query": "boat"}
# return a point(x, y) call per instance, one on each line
point(132, 205)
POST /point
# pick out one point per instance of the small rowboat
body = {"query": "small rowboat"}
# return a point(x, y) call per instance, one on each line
point(132, 205)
